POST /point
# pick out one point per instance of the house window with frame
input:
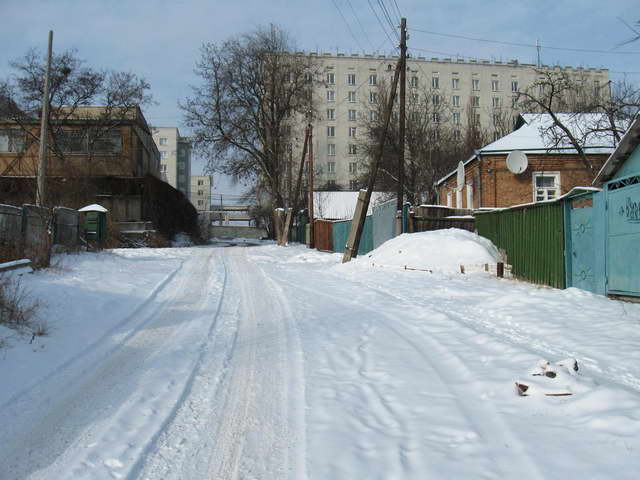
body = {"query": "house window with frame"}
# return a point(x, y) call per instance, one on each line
point(435, 117)
point(200, 182)
point(331, 78)
point(495, 102)
point(331, 167)
point(352, 97)
point(476, 119)
point(414, 98)
point(163, 168)
point(457, 135)
point(373, 116)
point(435, 82)
point(11, 141)
point(352, 132)
point(163, 141)
point(456, 118)
point(331, 131)
point(331, 113)
point(373, 97)
point(414, 81)
point(546, 186)
point(200, 193)
point(352, 115)
point(475, 84)
point(351, 78)
point(514, 85)
point(514, 102)
point(331, 149)
point(331, 95)
point(435, 99)
point(308, 78)
point(353, 149)
point(475, 101)
point(373, 79)
point(495, 85)
point(353, 167)
point(455, 100)
point(455, 83)
point(163, 155)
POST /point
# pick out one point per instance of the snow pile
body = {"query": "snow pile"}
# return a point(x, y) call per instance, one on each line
point(437, 250)
point(559, 379)
point(182, 239)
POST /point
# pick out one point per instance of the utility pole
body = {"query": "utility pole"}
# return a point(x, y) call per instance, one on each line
point(403, 112)
point(312, 242)
point(294, 200)
point(360, 215)
point(538, 49)
point(44, 123)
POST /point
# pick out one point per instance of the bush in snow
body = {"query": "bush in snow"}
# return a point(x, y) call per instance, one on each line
point(17, 310)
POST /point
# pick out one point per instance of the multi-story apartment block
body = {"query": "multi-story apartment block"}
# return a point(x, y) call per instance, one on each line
point(475, 92)
point(201, 192)
point(175, 157)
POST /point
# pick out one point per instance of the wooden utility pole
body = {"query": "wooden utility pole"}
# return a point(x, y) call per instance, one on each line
point(360, 215)
point(44, 123)
point(312, 242)
point(403, 110)
point(294, 202)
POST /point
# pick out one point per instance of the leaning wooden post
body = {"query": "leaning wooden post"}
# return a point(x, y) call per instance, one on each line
point(359, 217)
point(288, 222)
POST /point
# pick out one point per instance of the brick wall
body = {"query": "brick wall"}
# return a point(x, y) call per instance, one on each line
point(498, 187)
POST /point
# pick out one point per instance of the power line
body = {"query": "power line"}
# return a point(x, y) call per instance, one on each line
point(347, 24)
point(518, 44)
point(381, 24)
point(398, 9)
point(387, 17)
point(360, 23)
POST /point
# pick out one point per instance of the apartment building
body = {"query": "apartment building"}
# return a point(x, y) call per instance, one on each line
point(347, 94)
point(175, 157)
point(201, 191)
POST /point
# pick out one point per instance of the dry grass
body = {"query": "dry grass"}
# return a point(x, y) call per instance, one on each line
point(18, 310)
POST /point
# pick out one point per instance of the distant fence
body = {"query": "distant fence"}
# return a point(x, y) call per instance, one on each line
point(29, 231)
point(533, 238)
point(436, 217)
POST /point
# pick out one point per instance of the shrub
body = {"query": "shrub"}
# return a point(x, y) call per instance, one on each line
point(17, 310)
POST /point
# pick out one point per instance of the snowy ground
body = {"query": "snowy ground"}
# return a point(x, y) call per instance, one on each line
point(265, 362)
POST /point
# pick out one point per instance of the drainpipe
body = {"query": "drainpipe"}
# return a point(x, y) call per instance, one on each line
point(479, 157)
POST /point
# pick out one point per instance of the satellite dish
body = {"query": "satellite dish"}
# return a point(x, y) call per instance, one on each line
point(517, 162)
point(460, 175)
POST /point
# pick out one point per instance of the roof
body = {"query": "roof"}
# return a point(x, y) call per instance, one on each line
point(627, 145)
point(533, 138)
point(342, 205)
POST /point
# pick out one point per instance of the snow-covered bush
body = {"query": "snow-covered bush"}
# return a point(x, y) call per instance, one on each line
point(18, 311)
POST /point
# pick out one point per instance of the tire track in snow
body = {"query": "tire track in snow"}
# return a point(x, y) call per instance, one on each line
point(458, 393)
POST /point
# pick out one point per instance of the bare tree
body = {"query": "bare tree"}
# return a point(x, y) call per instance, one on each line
point(582, 111)
point(252, 101)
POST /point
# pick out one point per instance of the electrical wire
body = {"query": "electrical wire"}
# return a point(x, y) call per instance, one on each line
point(347, 24)
point(381, 24)
point(360, 23)
point(518, 44)
point(398, 10)
point(387, 17)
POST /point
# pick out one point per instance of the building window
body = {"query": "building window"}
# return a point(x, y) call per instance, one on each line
point(373, 79)
point(514, 102)
point(163, 141)
point(163, 168)
point(455, 83)
point(457, 135)
point(353, 149)
point(200, 203)
point(353, 185)
point(514, 85)
point(435, 99)
point(331, 96)
point(455, 100)
point(331, 184)
point(200, 182)
point(596, 88)
point(496, 119)
point(11, 141)
point(163, 155)
point(352, 131)
point(351, 78)
point(495, 102)
point(331, 114)
point(308, 77)
point(414, 81)
point(495, 85)
point(414, 98)
point(352, 97)
point(476, 119)
point(331, 78)
point(353, 167)
point(475, 101)
point(435, 117)
point(352, 115)
point(200, 193)
point(435, 82)
point(331, 131)
point(331, 149)
point(373, 116)
point(475, 84)
point(456, 118)
point(546, 186)
point(373, 97)
point(331, 167)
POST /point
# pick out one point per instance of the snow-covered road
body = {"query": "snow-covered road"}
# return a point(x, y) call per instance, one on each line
point(280, 363)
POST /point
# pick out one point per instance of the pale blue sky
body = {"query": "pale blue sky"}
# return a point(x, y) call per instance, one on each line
point(160, 39)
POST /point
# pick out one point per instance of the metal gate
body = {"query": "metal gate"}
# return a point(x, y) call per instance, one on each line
point(623, 236)
point(580, 243)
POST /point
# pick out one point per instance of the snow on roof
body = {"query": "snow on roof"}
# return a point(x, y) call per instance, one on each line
point(534, 137)
point(341, 205)
point(627, 145)
point(94, 207)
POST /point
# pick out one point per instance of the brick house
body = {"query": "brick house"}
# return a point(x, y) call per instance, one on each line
point(553, 169)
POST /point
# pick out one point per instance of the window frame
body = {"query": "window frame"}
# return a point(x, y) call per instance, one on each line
point(545, 190)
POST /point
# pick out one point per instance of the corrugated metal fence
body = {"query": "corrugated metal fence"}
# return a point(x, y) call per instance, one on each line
point(533, 238)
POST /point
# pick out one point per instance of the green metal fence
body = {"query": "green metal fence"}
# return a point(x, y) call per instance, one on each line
point(533, 238)
point(341, 233)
